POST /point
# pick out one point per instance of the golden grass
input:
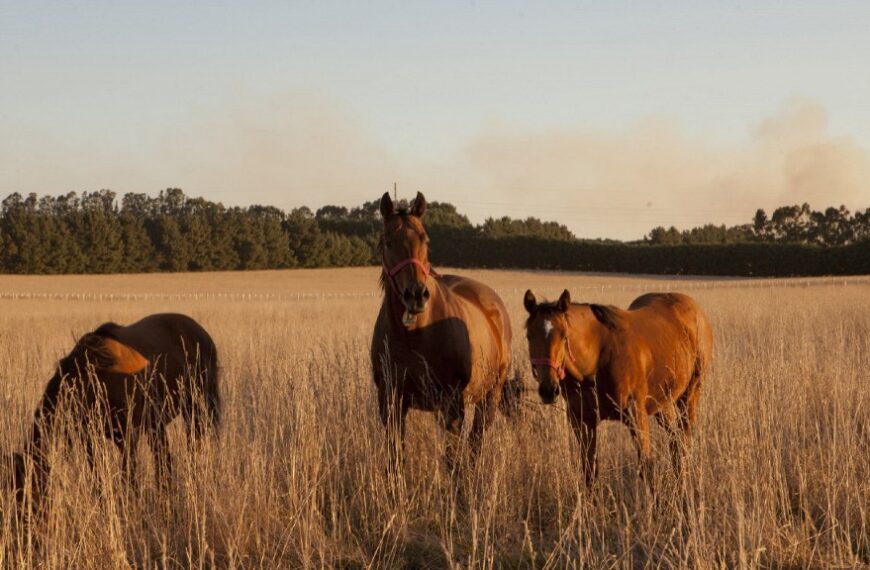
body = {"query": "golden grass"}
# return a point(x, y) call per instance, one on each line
point(779, 473)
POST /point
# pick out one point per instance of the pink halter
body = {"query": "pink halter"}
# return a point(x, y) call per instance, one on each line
point(391, 273)
point(403, 264)
point(559, 368)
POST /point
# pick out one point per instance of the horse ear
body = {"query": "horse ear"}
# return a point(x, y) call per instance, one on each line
point(606, 315)
point(529, 302)
point(123, 359)
point(564, 301)
point(419, 207)
point(387, 207)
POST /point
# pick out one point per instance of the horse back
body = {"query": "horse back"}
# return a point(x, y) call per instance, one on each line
point(677, 340)
point(179, 350)
point(176, 353)
point(166, 335)
point(487, 302)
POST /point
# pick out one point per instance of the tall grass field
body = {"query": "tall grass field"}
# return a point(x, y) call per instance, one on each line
point(778, 474)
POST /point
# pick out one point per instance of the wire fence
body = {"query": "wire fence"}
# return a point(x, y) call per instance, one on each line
point(651, 285)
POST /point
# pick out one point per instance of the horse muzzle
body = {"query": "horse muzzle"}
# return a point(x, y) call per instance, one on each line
point(548, 392)
point(415, 298)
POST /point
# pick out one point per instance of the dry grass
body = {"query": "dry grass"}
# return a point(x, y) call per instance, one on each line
point(779, 475)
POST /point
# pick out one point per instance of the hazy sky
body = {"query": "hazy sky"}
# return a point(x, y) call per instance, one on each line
point(610, 117)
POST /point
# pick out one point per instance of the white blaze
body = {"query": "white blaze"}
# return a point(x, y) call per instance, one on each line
point(548, 328)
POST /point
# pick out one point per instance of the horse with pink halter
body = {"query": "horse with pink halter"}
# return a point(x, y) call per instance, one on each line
point(441, 343)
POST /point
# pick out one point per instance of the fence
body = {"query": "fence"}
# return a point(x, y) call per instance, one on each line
point(651, 285)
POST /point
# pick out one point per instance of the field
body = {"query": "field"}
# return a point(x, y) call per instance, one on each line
point(778, 476)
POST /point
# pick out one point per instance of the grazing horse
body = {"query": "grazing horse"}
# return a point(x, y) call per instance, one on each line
point(134, 380)
point(613, 364)
point(441, 342)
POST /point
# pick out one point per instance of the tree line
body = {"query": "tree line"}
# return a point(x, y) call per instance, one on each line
point(96, 232)
point(787, 224)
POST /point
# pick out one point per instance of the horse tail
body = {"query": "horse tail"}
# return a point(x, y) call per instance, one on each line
point(203, 412)
point(212, 392)
point(704, 348)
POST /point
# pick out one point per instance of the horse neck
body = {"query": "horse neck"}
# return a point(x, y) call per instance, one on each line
point(596, 345)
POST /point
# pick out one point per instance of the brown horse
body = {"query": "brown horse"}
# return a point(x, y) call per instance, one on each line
point(613, 364)
point(134, 380)
point(441, 343)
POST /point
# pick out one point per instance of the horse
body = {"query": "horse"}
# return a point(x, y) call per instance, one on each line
point(613, 364)
point(133, 380)
point(441, 343)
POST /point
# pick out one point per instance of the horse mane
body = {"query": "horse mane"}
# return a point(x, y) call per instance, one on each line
point(608, 315)
point(550, 309)
point(382, 278)
point(107, 330)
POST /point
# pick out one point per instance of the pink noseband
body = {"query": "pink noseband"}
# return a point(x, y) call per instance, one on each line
point(403, 264)
point(558, 367)
point(391, 273)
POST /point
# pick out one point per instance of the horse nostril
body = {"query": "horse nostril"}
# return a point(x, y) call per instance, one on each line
point(407, 295)
point(425, 293)
point(548, 393)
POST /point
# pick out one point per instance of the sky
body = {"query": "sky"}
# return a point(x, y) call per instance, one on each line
point(609, 117)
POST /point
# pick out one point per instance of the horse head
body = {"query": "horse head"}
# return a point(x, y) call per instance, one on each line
point(565, 340)
point(547, 331)
point(404, 249)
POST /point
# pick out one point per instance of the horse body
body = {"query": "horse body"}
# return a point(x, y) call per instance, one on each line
point(441, 343)
point(139, 377)
point(624, 365)
point(676, 340)
point(462, 352)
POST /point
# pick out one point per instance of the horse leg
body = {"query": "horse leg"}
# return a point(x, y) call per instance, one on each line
point(587, 437)
point(583, 419)
point(393, 412)
point(638, 423)
point(201, 409)
point(162, 458)
point(483, 415)
point(452, 418)
point(128, 443)
point(669, 417)
point(685, 420)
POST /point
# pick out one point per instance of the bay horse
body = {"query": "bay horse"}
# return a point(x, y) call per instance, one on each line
point(613, 364)
point(134, 380)
point(441, 343)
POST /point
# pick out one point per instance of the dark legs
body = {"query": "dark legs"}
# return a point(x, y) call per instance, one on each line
point(465, 425)
point(678, 419)
point(128, 443)
point(484, 415)
point(587, 437)
point(393, 412)
point(162, 458)
point(452, 419)
point(669, 418)
point(583, 418)
point(638, 422)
